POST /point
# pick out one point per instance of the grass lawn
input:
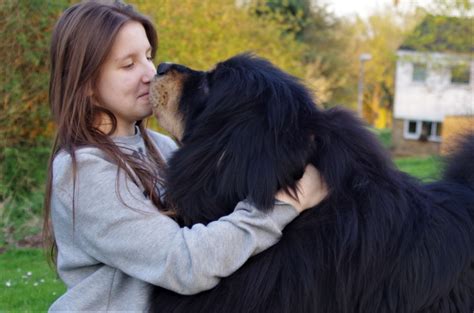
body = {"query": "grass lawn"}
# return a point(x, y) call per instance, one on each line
point(27, 283)
point(425, 168)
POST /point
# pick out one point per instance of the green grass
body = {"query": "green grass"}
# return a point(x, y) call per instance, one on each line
point(425, 168)
point(27, 283)
point(384, 135)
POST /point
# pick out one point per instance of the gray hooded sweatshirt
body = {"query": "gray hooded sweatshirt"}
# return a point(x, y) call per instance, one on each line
point(115, 245)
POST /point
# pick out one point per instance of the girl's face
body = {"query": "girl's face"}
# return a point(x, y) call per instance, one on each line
point(124, 79)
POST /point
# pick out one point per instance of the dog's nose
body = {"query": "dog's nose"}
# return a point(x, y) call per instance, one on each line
point(163, 68)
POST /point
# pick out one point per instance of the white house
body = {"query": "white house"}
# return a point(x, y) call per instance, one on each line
point(434, 80)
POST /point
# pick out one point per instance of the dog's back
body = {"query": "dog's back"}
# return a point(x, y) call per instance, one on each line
point(381, 241)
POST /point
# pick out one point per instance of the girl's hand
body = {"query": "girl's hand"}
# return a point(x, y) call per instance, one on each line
point(311, 190)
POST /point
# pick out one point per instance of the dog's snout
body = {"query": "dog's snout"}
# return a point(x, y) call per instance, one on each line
point(163, 68)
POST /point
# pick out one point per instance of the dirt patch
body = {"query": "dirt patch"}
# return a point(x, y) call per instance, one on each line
point(30, 241)
point(33, 241)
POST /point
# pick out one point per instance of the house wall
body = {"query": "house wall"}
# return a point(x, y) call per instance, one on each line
point(407, 147)
point(436, 97)
point(429, 101)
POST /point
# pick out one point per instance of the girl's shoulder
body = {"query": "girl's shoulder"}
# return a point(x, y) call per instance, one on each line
point(89, 161)
point(166, 146)
point(64, 158)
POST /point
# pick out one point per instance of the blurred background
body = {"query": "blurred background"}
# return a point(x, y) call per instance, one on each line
point(406, 67)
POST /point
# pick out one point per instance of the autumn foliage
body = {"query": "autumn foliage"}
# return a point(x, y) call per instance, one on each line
point(299, 36)
point(25, 28)
point(197, 33)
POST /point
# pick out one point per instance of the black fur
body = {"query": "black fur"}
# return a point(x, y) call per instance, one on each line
point(380, 242)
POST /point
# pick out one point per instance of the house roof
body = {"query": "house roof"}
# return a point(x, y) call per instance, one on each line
point(442, 34)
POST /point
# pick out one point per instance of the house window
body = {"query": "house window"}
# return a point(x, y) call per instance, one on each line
point(437, 132)
point(422, 130)
point(412, 127)
point(426, 129)
point(460, 74)
point(419, 72)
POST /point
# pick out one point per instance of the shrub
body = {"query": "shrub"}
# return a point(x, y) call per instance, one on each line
point(25, 127)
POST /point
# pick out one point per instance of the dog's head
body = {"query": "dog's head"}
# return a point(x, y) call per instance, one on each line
point(244, 86)
point(242, 126)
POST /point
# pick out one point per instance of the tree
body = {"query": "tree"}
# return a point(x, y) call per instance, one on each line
point(25, 126)
point(380, 35)
point(387, 30)
point(459, 8)
point(325, 43)
point(293, 15)
point(201, 33)
point(326, 58)
point(25, 28)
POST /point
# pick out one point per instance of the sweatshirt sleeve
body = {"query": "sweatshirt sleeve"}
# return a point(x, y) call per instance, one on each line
point(116, 225)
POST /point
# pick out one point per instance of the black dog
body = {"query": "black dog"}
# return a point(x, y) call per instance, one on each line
point(380, 242)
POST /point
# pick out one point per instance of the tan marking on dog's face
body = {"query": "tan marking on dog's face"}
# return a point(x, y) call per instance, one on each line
point(165, 93)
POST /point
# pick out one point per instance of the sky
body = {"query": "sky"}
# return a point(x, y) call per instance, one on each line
point(364, 7)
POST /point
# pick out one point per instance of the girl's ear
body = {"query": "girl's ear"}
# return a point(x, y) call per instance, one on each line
point(89, 90)
point(90, 93)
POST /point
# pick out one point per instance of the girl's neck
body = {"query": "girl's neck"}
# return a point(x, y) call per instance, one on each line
point(122, 130)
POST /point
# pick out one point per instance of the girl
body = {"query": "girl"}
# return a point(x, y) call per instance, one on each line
point(113, 237)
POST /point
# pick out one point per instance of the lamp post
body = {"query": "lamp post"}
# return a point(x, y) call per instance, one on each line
point(362, 58)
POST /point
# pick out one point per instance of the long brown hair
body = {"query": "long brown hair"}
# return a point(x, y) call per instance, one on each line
point(81, 41)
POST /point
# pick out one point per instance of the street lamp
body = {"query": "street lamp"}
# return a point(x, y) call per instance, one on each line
point(362, 58)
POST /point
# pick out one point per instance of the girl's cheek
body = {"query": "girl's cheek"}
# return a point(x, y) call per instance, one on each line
point(129, 79)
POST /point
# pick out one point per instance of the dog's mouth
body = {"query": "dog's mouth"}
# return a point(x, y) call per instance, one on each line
point(165, 95)
point(159, 95)
point(156, 94)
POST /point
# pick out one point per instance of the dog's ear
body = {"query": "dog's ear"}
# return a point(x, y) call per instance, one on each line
point(241, 160)
point(256, 164)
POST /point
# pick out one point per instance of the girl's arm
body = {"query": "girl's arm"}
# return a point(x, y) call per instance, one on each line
point(146, 244)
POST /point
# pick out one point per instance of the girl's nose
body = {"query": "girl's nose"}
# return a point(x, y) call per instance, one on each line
point(150, 72)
